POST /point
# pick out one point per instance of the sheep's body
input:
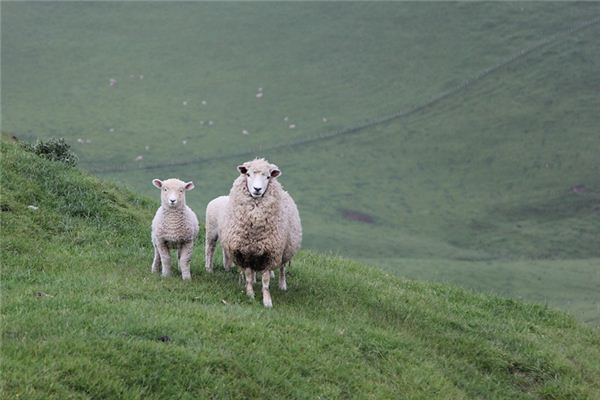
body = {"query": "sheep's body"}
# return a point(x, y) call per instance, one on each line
point(215, 220)
point(260, 233)
point(175, 226)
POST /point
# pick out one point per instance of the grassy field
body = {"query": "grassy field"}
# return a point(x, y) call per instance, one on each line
point(503, 172)
point(83, 317)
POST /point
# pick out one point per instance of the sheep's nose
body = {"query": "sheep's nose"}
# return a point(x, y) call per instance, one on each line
point(257, 189)
point(172, 201)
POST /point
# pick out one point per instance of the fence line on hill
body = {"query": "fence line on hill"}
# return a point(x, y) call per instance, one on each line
point(371, 122)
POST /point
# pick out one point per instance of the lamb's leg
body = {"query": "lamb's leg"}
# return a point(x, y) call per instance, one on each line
point(209, 251)
point(165, 258)
point(266, 277)
point(250, 275)
point(185, 257)
point(156, 261)
point(282, 281)
point(226, 260)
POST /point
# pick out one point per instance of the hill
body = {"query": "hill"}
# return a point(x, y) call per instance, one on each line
point(488, 177)
point(82, 317)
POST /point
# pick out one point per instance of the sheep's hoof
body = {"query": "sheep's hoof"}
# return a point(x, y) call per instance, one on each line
point(250, 294)
point(165, 274)
point(283, 286)
point(209, 269)
point(187, 277)
point(267, 303)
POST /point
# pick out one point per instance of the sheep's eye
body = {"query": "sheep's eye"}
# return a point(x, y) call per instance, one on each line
point(268, 177)
point(180, 190)
point(165, 189)
point(248, 174)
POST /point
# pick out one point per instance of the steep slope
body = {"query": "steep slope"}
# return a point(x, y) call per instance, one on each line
point(83, 317)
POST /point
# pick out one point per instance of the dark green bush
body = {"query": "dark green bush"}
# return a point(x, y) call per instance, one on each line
point(54, 149)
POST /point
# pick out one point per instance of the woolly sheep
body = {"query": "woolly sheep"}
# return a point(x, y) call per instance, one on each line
point(215, 220)
point(175, 226)
point(260, 228)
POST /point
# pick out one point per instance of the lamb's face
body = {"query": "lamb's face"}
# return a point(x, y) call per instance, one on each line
point(172, 192)
point(258, 174)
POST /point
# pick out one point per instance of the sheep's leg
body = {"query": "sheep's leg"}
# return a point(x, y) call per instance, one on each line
point(266, 277)
point(209, 251)
point(282, 281)
point(156, 261)
point(165, 258)
point(250, 276)
point(226, 260)
point(185, 258)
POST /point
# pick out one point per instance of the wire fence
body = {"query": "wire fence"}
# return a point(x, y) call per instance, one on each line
point(551, 39)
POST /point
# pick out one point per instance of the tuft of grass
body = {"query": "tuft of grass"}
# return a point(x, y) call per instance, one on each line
point(82, 316)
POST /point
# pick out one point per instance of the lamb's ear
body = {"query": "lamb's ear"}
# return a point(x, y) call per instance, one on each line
point(242, 168)
point(275, 171)
point(157, 183)
point(189, 185)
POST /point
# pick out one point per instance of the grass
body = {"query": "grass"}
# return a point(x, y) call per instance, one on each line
point(483, 176)
point(83, 317)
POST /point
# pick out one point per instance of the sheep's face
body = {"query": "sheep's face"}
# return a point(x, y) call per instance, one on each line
point(258, 174)
point(172, 191)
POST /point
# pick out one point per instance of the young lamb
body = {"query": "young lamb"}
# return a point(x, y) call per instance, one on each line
point(215, 220)
point(261, 227)
point(175, 226)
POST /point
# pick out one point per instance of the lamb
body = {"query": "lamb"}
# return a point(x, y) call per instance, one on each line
point(215, 220)
point(260, 227)
point(175, 226)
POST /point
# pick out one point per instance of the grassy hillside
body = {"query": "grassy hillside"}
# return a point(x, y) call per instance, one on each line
point(82, 317)
point(501, 177)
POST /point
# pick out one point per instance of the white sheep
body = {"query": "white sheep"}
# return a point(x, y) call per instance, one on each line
point(175, 226)
point(259, 225)
point(215, 220)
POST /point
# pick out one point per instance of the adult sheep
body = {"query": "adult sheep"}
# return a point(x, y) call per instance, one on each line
point(260, 226)
point(175, 226)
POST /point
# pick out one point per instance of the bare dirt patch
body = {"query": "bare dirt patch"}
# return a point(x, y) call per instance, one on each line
point(353, 215)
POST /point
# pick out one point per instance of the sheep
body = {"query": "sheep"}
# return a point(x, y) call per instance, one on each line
point(260, 228)
point(175, 226)
point(215, 214)
point(215, 220)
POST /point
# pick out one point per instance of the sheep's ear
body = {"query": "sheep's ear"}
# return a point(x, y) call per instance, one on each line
point(157, 183)
point(242, 168)
point(189, 185)
point(275, 171)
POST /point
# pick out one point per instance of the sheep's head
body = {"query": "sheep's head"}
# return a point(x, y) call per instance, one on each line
point(172, 191)
point(258, 174)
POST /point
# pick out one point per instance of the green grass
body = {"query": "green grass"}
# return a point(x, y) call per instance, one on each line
point(568, 284)
point(83, 317)
point(483, 176)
